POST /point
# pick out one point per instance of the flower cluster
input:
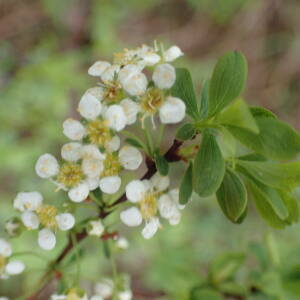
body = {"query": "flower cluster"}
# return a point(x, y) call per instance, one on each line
point(8, 266)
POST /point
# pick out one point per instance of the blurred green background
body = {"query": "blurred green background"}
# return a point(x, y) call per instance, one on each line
point(45, 49)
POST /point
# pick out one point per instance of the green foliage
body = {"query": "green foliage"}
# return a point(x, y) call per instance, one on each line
point(186, 186)
point(185, 132)
point(227, 82)
point(203, 110)
point(209, 166)
point(162, 164)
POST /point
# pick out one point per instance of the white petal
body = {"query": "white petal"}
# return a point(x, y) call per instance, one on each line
point(46, 239)
point(150, 228)
point(73, 129)
point(114, 144)
point(131, 217)
point(5, 248)
point(79, 193)
point(116, 117)
point(150, 58)
point(172, 111)
point(125, 295)
point(91, 151)
point(172, 53)
point(130, 157)
point(160, 182)
point(136, 84)
point(93, 183)
point(89, 106)
point(65, 221)
point(175, 219)
point(46, 166)
point(128, 71)
point(30, 220)
point(122, 243)
point(71, 151)
point(166, 206)
point(14, 267)
point(92, 167)
point(135, 191)
point(110, 184)
point(131, 110)
point(164, 76)
point(28, 201)
point(95, 297)
point(4, 298)
point(110, 73)
point(104, 288)
point(174, 194)
point(97, 228)
point(58, 297)
point(98, 68)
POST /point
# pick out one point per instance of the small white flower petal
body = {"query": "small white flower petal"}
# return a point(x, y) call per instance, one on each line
point(93, 183)
point(172, 53)
point(110, 73)
point(131, 217)
point(174, 194)
point(92, 167)
point(90, 152)
point(71, 151)
point(164, 76)
point(150, 58)
point(125, 295)
point(172, 111)
point(46, 239)
point(130, 157)
point(14, 267)
point(122, 243)
point(114, 144)
point(136, 84)
point(46, 166)
point(97, 228)
point(175, 219)
point(5, 248)
point(89, 106)
point(116, 117)
point(135, 191)
point(110, 184)
point(95, 297)
point(150, 228)
point(160, 182)
point(104, 288)
point(28, 201)
point(131, 110)
point(167, 208)
point(30, 220)
point(128, 71)
point(65, 221)
point(79, 193)
point(98, 68)
point(73, 129)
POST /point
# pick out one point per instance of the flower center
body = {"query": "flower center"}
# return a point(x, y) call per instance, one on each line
point(113, 92)
point(2, 263)
point(70, 174)
point(111, 165)
point(99, 132)
point(152, 100)
point(47, 214)
point(148, 206)
point(72, 295)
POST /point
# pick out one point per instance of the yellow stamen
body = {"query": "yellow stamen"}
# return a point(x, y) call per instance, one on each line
point(148, 206)
point(70, 174)
point(47, 214)
point(112, 165)
point(72, 295)
point(99, 132)
point(152, 101)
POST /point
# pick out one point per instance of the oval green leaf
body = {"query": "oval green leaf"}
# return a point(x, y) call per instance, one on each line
point(186, 132)
point(186, 186)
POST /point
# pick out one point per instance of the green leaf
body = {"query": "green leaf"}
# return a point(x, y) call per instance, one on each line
point(225, 266)
point(203, 110)
point(186, 132)
point(227, 82)
point(227, 143)
point(161, 163)
point(232, 196)
point(276, 140)
point(209, 166)
point(283, 176)
point(239, 115)
point(205, 294)
point(184, 89)
point(134, 142)
point(292, 206)
point(232, 288)
point(186, 186)
point(258, 111)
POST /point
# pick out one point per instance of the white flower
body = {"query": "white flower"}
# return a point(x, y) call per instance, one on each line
point(172, 111)
point(130, 157)
point(166, 206)
point(79, 193)
point(114, 144)
point(98, 68)
point(92, 167)
point(104, 288)
point(4, 298)
point(73, 293)
point(116, 117)
point(73, 129)
point(150, 58)
point(46, 166)
point(89, 106)
point(172, 53)
point(125, 295)
point(131, 217)
point(110, 73)
point(135, 191)
point(30, 220)
point(97, 228)
point(28, 201)
point(122, 243)
point(164, 76)
point(5, 248)
point(65, 221)
point(71, 151)
point(91, 152)
point(46, 239)
point(150, 228)
point(110, 184)
point(95, 297)
point(131, 110)
point(14, 267)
